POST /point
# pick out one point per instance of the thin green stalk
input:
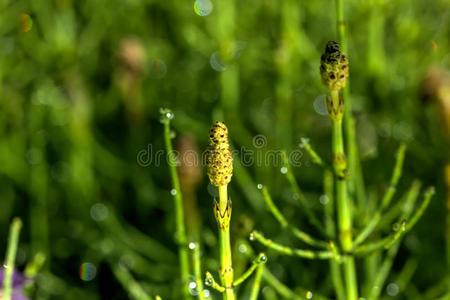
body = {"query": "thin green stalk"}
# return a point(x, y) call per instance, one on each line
point(198, 270)
point(344, 213)
point(13, 241)
point(211, 282)
point(335, 269)
point(258, 261)
point(257, 283)
point(387, 198)
point(315, 157)
point(301, 235)
point(383, 271)
point(300, 196)
point(178, 205)
point(135, 290)
point(281, 289)
point(356, 182)
point(226, 264)
point(309, 254)
point(388, 241)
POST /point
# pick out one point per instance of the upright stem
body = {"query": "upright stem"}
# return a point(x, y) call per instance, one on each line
point(331, 231)
point(198, 271)
point(356, 184)
point(13, 241)
point(343, 205)
point(226, 265)
point(179, 213)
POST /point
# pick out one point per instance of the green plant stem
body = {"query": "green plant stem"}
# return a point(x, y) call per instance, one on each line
point(13, 241)
point(129, 283)
point(309, 254)
point(226, 264)
point(301, 197)
point(344, 213)
point(256, 286)
point(388, 241)
point(356, 182)
point(335, 269)
point(386, 266)
point(315, 157)
point(198, 271)
point(259, 260)
point(281, 289)
point(387, 198)
point(210, 281)
point(179, 213)
point(301, 235)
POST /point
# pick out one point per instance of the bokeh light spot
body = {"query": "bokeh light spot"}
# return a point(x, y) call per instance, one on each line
point(203, 7)
point(320, 105)
point(88, 271)
point(99, 212)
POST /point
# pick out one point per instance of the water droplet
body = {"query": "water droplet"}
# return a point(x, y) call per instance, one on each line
point(173, 134)
point(206, 293)
point(323, 199)
point(309, 295)
point(173, 192)
point(192, 286)
point(216, 62)
point(99, 212)
point(87, 271)
point(320, 105)
point(169, 115)
point(242, 248)
point(392, 289)
point(212, 191)
point(209, 280)
point(396, 226)
point(259, 186)
point(303, 142)
point(263, 258)
point(251, 237)
point(203, 7)
point(283, 170)
point(166, 115)
point(192, 245)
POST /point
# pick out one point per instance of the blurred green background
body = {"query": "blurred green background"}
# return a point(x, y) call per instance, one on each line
point(81, 85)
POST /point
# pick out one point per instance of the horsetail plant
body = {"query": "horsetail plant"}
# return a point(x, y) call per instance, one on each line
point(334, 71)
point(180, 237)
point(343, 248)
point(219, 162)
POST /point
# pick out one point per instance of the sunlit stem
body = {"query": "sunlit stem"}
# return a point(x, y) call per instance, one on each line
point(343, 205)
point(226, 265)
point(13, 241)
point(179, 212)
